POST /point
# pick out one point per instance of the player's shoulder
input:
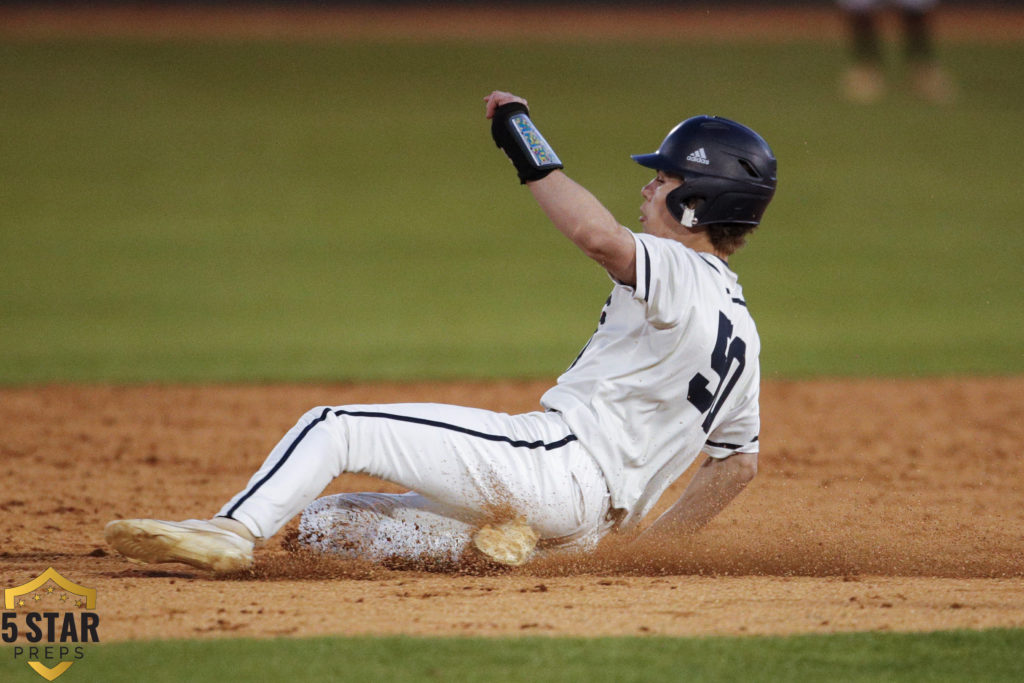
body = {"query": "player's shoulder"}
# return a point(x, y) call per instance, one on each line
point(667, 249)
point(664, 245)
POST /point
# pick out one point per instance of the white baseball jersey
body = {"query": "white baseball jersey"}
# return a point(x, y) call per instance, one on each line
point(671, 370)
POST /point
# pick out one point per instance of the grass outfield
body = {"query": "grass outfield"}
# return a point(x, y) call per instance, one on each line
point(942, 656)
point(197, 211)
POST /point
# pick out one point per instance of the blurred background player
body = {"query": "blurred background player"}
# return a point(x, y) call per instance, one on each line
point(864, 80)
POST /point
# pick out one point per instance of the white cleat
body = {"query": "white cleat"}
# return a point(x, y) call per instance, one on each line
point(194, 542)
point(510, 543)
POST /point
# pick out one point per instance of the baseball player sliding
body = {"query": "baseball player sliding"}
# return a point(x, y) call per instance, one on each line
point(671, 371)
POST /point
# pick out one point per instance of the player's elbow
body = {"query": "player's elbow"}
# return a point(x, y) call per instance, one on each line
point(608, 245)
point(744, 467)
point(592, 238)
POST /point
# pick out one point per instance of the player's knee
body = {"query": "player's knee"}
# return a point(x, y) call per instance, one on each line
point(317, 414)
point(317, 508)
point(325, 527)
point(312, 518)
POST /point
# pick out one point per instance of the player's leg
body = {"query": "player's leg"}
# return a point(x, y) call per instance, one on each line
point(408, 527)
point(476, 461)
point(297, 469)
point(383, 526)
point(470, 460)
point(928, 79)
point(863, 81)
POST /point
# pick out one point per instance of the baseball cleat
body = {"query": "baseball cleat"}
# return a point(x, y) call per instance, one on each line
point(194, 542)
point(510, 543)
point(863, 84)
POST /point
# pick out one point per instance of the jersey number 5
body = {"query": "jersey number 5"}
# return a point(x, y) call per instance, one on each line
point(727, 350)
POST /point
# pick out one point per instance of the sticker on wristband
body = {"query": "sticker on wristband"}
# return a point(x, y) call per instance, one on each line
point(535, 144)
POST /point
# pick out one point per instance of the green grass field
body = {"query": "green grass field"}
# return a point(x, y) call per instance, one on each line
point(894, 658)
point(194, 211)
point(271, 211)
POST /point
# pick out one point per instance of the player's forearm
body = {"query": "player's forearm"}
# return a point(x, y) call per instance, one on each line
point(586, 222)
point(573, 210)
point(713, 487)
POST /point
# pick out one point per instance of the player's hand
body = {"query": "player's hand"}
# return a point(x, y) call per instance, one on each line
point(500, 97)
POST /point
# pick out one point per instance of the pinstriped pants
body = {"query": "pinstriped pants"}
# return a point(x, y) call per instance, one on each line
point(462, 465)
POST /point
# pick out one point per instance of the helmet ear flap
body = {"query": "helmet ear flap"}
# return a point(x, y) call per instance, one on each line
point(678, 201)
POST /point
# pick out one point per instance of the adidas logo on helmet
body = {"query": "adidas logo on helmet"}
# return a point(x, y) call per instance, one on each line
point(698, 156)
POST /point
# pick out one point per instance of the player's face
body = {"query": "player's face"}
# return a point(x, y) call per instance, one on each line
point(654, 212)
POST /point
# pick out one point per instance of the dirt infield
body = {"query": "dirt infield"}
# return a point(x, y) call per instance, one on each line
point(881, 504)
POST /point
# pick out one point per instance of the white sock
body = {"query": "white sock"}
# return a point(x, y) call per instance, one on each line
point(235, 527)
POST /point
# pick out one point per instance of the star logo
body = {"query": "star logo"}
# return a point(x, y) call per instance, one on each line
point(72, 627)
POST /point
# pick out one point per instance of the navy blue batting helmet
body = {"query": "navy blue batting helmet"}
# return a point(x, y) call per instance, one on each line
point(728, 171)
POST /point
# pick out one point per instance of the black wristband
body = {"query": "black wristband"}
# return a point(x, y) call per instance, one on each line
point(530, 153)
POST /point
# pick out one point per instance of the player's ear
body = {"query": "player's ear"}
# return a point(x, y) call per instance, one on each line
point(682, 206)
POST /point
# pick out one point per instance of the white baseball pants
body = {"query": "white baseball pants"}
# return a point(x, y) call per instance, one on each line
point(464, 466)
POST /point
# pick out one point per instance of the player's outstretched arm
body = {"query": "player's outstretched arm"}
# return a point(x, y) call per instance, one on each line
point(572, 208)
point(583, 219)
point(716, 483)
